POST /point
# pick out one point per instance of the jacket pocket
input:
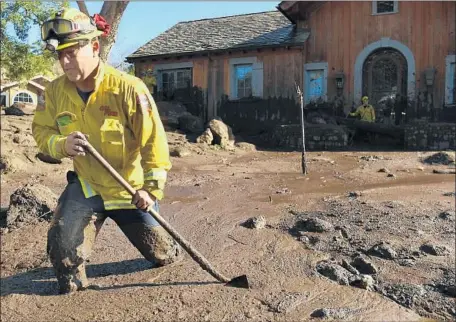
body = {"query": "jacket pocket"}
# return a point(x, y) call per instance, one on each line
point(113, 142)
point(67, 123)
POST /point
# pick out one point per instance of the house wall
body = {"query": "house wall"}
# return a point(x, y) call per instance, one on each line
point(32, 91)
point(280, 69)
point(340, 30)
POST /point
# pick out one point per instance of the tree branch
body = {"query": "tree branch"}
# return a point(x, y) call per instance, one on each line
point(112, 11)
point(82, 7)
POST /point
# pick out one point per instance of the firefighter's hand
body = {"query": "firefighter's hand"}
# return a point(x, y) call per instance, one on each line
point(75, 144)
point(143, 199)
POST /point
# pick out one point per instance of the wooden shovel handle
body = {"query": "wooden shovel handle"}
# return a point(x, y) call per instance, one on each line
point(184, 243)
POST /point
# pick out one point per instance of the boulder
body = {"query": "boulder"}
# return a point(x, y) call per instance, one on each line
point(170, 112)
point(206, 137)
point(223, 135)
point(13, 110)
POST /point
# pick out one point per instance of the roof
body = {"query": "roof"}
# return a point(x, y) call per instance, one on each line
point(36, 85)
point(5, 86)
point(247, 31)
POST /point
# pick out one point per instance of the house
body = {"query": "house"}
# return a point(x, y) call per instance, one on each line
point(245, 68)
point(28, 95)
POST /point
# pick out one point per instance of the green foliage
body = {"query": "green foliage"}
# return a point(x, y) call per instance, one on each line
point(149, 79)
point(20, 60)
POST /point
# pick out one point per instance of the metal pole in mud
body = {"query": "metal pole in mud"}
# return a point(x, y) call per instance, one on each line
point(303, 155)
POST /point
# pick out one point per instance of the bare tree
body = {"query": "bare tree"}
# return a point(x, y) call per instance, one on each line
point(112, 11)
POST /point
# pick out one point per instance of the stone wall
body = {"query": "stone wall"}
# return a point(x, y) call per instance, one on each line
point(318, 137)
point(422, 135)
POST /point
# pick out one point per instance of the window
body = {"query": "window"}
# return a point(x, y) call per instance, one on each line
point(23, 97)
point(246, 78)
point(450, 80)
point(315, 80)
point(173, 79)
point(243, 80)
point(384, 7)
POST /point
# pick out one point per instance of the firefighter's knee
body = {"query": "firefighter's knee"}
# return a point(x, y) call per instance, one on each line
point(165, 249)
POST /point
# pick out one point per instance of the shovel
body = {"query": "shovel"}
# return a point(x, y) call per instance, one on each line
point(240, 281)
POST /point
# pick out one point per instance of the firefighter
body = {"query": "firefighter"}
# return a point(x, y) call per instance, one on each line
point(365, 112)
point(115, 112)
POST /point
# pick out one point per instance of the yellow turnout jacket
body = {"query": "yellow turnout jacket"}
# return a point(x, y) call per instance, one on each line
point(122, 123)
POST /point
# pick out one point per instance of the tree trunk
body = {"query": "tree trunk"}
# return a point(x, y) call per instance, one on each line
point(112, 11)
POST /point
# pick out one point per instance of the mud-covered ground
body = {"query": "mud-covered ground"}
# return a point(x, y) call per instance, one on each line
point(364, 236)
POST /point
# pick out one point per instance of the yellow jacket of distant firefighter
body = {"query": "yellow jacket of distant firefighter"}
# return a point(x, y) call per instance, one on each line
point(122, 123)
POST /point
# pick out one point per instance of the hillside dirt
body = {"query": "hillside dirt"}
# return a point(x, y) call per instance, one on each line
point(364, 236)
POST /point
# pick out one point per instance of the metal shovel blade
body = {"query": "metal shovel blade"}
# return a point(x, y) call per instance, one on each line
point(239, 282)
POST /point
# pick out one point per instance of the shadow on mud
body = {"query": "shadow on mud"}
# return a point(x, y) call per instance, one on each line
point(42, 281)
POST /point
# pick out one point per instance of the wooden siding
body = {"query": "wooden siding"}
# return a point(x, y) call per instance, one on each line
point(341, 29)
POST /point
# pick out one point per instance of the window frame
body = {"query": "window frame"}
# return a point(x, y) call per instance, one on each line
point(375, 13)
point(313, 67)
point(257, 76)
point(236, 89)
point(449, 78)
point(26, 93)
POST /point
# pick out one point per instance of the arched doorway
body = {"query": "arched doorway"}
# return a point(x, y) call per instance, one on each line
point(384, 76)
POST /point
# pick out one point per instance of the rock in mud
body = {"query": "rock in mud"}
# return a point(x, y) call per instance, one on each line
point(255, 222)
point(47, 158)
point(365, 282)
point(435, 250)
point(404, 294)
point(245, 146)
point(444, 171)
point(450, 194)
point(29, 204)
point(179, 152)
point(448, 215)
point(223, 135)
point(391, 175)
point(440, 158)
point(384, 170)
point(334, 313)
point(314, 225)
point(363, 265)
point(206, 137)
point(345, 264)
point(335, 272)
point(383, 250)
point(354, 194)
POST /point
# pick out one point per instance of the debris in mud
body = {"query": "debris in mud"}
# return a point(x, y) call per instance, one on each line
point(444, 171)
point(29, 204)
point(435, 250)
point(13, 110)
point(391, 175)
point(4, 164)
point(287, 302)
point(450, 194)
point(47, 158)
point(283, 191)
point(365, 282)
point(255, 223)
point(190, 123)
point(354, 194)
point(448, 215)
point(384, 170)
point(363, 265)
point(334, 313)
point(444, 158)
point(335, 272)
point(404, 294)
point(314, 225)
point(372, 158)
point(383, 250)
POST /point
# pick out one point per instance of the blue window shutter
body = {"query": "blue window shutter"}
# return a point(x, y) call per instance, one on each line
point(257, 79)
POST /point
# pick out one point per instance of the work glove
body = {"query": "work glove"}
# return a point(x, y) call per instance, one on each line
point(75, 144)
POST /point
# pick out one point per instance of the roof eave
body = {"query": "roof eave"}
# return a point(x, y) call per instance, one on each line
point(214, 51)
point(293, 21)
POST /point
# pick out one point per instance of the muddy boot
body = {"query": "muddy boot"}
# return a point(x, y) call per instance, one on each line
point(70, 240)
point(154, 243)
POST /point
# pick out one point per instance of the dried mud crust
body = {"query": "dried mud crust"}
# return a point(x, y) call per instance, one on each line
point(385, 240)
